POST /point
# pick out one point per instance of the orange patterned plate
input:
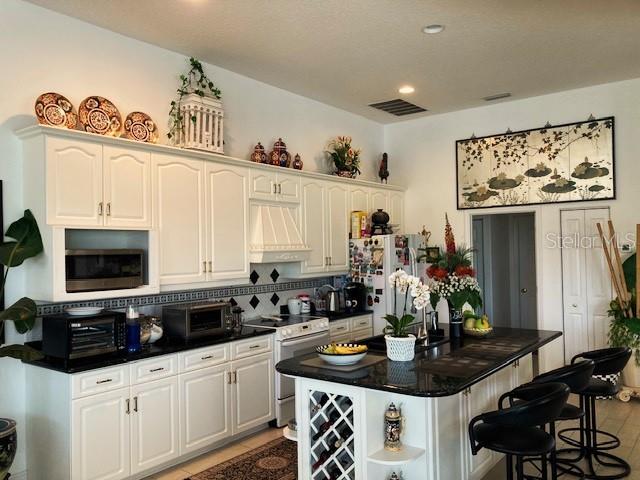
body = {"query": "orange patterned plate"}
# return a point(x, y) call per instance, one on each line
point(139, 126)
point(55, 110)
point(99, 115)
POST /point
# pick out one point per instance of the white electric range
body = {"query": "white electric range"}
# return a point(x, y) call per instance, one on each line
point(295, 335)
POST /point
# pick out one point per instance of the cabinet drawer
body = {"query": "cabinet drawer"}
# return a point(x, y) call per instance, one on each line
point(203, 357)
point(358, 335)
point(154, 369)
point(99, 381)
point(247, 348)
point(361, 322)
point(339, 327)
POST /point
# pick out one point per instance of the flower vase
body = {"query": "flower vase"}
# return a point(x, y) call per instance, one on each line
point(345, 173)
point(455, 322)
point(400, 349)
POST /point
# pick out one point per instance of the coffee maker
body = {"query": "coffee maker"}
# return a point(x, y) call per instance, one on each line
point(355, 297)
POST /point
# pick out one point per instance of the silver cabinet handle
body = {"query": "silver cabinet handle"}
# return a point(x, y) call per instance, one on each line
point(229, 378)
point(204, 267)
point(100, 208)
point(106, 380)
point(127, 409)
point(135, 404)
point(254, 346)
point(206, 357)
point(109, 209)
point(159, 369)
point(275, 188)
point(235, 377)
point(279, 188)
point(210, 266)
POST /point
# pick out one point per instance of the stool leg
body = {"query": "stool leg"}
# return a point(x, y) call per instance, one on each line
point(509, 467)
point(519, 468)
point(552, 455)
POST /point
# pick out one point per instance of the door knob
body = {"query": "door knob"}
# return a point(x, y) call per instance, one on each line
point(523, 291)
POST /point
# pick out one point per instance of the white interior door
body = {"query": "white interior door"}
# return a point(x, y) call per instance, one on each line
point(586, 288)
point(127, 187)
point(74, 183)
point(180, 205)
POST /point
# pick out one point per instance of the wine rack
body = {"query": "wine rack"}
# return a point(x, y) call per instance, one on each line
point(332, 436)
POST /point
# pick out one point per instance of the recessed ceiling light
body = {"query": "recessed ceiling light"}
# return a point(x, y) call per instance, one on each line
point(435, 28)
point(406, 89)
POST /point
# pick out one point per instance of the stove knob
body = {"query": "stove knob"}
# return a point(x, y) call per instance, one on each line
point(287, 332)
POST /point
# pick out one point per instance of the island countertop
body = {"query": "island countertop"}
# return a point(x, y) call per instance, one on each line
point(436, 371)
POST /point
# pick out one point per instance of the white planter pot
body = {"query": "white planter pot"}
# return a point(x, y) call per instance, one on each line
point(400, 349)
point(631, 374)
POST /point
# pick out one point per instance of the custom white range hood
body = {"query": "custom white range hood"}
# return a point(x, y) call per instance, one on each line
point(275, 236)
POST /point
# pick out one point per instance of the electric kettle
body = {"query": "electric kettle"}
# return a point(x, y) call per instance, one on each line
point(333, 301)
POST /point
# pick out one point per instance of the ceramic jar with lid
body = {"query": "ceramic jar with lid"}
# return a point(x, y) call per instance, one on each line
point(259, 155)
point(279, 156)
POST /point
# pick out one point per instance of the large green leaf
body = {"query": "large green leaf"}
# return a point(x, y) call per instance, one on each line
point(27, 244)
point(21, 352)
point(632, 324)
point(629, 268)
point(23, 314)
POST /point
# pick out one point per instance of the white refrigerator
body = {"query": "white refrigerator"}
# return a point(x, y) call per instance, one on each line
point(373, 259)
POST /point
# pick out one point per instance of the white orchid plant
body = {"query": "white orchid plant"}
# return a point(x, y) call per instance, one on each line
point(409, 286)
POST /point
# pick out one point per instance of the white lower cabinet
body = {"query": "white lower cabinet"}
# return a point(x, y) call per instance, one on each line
point(478, 399)
point(253, 395)
point(205, 415)
point(154, 424)
point(100, 436)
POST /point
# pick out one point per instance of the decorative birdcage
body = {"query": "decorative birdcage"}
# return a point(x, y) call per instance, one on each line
point(202, 126)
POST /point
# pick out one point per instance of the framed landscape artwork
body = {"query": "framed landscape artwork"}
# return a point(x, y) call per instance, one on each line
point(564, 163)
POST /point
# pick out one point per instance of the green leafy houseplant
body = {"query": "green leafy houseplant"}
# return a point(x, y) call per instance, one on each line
point(194, 81)
point(623, 331)
point(26, 243)
point(345, 158)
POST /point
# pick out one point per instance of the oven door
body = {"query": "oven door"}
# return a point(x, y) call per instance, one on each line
point(285, 386)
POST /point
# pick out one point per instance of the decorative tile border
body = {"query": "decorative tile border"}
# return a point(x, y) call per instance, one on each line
point(186, 295)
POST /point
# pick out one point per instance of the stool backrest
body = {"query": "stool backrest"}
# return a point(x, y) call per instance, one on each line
point(608, 361)
point(576, 376)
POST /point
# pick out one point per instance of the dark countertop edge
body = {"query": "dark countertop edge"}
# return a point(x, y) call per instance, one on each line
point(343, 315)
point(157, 350)
point(412, 393)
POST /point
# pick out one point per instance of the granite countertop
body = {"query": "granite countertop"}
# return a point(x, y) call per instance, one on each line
point(164, 346)
point(334, 316)
point(442, 370)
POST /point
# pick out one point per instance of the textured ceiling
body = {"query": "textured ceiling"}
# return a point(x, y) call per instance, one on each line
point(350, 53)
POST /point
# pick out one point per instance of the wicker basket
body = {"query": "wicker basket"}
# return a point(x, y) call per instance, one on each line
point(400, 349)
point(474, 332)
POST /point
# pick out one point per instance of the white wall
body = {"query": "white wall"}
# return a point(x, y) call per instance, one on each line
point(422, 157)
point(44, 51)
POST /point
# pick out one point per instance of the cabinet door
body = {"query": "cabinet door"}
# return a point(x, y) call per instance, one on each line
point(379, 199)
point(227, 214)
point(396, 210)
point(262, 185)
point(288, 188)
point(480, 398)
point(74, 183)
point(154, 424)
point(254, 396)
point(359, 200)
point(314, 225)
point(205, 407)
point(338, 228)
point(127, 187)
point(179, 206)
point(100, 436)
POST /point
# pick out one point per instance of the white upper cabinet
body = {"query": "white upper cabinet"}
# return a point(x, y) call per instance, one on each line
point(338, 227)
point(379, 199)
point(227, 214)
point(74, 183)
point(314, 225)
point(274, 186)
point(127, 187)
point(359, 200)
point(180, 217)
point(396, 210)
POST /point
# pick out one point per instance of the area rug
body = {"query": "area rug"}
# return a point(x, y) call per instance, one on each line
point(276, 460)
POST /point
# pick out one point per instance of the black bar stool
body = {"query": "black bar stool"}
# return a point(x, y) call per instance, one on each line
point(515, 430)
point(607, 361)
point(576, 376)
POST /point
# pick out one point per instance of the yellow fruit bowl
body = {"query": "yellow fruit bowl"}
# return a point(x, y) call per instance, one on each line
point(477, 332)
point(342, 353)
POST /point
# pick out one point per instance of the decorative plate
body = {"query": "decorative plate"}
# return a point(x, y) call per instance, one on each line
point(139, 126)
point(99, 115)
point(82, 311)
point(55, 110)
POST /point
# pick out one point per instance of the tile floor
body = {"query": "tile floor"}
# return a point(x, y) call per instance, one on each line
point(622, 419)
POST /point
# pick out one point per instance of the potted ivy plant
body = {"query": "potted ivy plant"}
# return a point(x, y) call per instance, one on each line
point(400, 344)
point(26, 243)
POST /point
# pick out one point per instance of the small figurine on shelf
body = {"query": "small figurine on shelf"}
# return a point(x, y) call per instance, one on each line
point(279, 156)
point(392, 429)
point(259, 155)
point(394, 476)
point(383, 172)
point(297, 162)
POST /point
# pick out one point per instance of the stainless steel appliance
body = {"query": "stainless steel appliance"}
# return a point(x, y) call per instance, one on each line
point(103, 269)
point(195, 320)
point(295, 335)
point(71, 337)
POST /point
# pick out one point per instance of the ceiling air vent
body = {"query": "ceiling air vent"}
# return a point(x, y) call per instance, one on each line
point(398, 107)
point(497, 96)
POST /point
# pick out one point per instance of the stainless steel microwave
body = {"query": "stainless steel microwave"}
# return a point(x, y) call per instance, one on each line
point(104, 269)
point(194, 320)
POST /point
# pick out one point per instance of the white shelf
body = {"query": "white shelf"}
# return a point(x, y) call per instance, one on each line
point(290, 434)
point(406, 455)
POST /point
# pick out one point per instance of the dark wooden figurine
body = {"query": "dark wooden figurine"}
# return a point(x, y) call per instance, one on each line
point(383, 172)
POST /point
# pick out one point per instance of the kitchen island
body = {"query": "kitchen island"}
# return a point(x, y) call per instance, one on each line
point(340, 414)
